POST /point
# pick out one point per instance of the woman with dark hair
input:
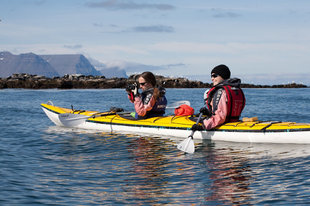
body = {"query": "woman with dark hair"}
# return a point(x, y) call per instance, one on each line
point(152, 101)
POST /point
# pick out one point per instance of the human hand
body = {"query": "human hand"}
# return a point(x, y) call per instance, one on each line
point(205, 111)
point(135, 91)
point(196, 127)
point(132, 90)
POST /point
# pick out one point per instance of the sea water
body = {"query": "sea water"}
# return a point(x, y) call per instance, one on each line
point(42, 164)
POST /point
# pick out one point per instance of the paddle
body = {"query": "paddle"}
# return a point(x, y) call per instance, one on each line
point(177, 104)
point(188, 145)
point(73, 120)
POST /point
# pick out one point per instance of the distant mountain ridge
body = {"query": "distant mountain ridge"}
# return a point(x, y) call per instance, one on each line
point(24, 63)
point(53, 65)
point(108, 72)
point(71, 64)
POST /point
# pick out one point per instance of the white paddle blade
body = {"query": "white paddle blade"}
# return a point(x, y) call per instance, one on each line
point(72, 120)
point(177, 104)
point(187, 145)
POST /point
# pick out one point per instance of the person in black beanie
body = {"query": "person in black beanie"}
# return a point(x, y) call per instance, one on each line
point(221, 70)
point(224, 101)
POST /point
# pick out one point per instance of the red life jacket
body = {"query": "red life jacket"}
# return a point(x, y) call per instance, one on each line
point(235, 99)
point(183, 110)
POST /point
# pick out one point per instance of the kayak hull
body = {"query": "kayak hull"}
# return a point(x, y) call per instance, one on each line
point(179, 127)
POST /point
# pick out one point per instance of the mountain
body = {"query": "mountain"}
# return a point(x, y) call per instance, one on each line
point(71, 64)
point(45, 65)
point(108, 71)
point(24, 63)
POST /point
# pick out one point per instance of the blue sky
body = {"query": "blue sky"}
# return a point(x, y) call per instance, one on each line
point(260, 40)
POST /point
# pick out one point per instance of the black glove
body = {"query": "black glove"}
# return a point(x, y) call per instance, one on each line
point(205, 111)
point(116, 109)
point(196, 127)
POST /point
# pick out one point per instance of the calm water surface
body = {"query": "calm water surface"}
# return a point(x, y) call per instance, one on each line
point(42, 164)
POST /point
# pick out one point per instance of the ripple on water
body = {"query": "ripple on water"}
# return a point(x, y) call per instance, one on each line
point(48, 165)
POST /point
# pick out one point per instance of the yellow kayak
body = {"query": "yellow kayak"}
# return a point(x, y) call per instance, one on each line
point(249, 130)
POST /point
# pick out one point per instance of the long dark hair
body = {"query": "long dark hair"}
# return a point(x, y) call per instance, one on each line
point(150, 78)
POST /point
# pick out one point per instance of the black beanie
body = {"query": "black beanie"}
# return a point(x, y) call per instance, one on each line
point(221, 70)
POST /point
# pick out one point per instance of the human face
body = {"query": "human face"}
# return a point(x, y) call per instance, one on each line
point(216, 79)
point(143, 84)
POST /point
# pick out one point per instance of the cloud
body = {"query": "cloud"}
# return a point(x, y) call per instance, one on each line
point(232, 48)
point(132, 67)
point(121, 5)
point(112, 28)
point(220, 13)
point(274, 78)
point(262, 78)
point(104, 25)
point(98, 25)
point(77, 46)
point(39, 2)
point(175, 65)
point(191, 47)
point(155, 28)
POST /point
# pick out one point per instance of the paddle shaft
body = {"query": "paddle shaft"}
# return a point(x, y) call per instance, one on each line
point(188, 145)
point(193, 131)
point(177, 104)
point(107, 114)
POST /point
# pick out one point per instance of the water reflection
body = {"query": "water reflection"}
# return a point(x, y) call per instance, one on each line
point(105, 168)
point(209, 176)
point(150, 174)
point(230, 173)
point(236, 167)
point(160, 174)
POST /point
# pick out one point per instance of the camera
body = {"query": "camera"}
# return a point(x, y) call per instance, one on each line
point(162, 91)
point(131, 87)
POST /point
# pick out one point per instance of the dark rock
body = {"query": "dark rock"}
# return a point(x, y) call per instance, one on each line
point(30, 81)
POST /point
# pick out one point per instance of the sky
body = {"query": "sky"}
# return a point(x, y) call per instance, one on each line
point(261, 41)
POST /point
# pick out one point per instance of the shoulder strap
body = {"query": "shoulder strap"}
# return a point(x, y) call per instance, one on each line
point(214, 96)
point(146, 96)
point(229, 101)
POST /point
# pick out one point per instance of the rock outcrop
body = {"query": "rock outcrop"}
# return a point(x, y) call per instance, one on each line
point(28, 81)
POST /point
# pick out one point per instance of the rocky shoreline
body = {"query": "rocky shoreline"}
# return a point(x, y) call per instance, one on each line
point(28, 81)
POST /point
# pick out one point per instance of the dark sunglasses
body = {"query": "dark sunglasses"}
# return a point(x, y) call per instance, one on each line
point(142, 84)
point(214, 75)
